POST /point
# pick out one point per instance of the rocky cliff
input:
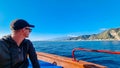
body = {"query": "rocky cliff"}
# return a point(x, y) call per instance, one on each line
point(111, 34)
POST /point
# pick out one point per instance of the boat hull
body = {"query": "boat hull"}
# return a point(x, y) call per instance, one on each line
point(66, 62)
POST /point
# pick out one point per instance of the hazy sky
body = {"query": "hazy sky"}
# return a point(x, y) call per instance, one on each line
point(57, 18)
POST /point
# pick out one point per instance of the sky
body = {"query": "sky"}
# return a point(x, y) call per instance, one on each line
point(60, 18)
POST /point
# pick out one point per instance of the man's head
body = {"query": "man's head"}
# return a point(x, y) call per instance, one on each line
point(21, 26)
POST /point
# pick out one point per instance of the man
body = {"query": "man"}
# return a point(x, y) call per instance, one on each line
point(14, 48)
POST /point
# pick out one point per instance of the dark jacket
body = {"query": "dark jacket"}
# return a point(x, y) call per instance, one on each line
point(14, 56)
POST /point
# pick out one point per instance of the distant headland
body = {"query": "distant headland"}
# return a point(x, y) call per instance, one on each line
point(107, 35)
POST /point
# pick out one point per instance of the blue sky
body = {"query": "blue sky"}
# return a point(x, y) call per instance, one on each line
point(58, 18)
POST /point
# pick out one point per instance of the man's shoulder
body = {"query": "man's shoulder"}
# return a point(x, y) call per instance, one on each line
point(5, 38)
point(27, 40)
point(1, 41)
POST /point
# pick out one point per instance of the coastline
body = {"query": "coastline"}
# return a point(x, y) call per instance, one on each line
point(72, 40)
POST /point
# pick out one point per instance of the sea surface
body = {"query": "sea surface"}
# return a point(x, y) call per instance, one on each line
point(64, 48)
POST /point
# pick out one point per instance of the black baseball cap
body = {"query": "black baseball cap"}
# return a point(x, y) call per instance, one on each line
point(19, 24)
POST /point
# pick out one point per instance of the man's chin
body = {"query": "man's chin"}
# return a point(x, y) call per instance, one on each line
point(27, 36)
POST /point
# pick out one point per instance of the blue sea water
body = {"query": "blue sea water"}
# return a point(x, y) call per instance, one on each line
point(64, 48)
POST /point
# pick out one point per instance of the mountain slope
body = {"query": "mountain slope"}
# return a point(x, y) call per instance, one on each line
point(111, 34)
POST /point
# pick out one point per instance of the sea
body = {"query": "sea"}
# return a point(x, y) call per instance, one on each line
point(64, 48)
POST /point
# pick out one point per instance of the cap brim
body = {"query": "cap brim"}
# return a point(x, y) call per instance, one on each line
point(31, 26)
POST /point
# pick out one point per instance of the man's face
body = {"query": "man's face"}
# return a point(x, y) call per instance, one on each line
point(27, 31)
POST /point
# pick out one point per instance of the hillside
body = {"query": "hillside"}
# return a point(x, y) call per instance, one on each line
point(111, 34)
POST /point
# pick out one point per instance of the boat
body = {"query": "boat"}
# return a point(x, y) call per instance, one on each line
point(47, 60)
point(64, 62)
